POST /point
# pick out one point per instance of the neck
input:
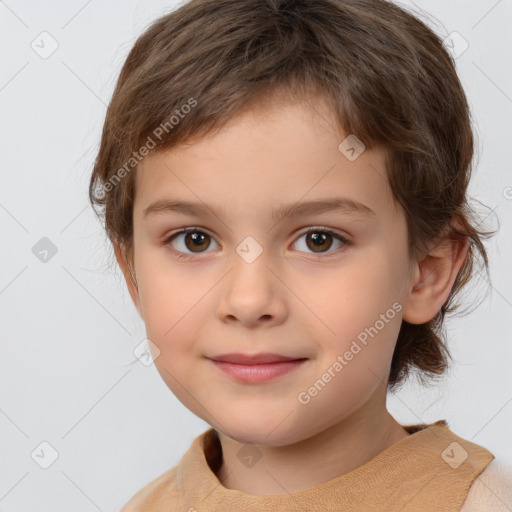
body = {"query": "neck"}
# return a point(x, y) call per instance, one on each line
point(327, 455)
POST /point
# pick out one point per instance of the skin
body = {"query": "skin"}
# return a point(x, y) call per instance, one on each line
point(291, 300)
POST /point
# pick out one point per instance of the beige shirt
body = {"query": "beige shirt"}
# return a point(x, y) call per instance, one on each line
point(432, 469)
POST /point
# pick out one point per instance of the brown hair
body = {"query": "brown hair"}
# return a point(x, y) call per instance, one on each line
point(386, 74)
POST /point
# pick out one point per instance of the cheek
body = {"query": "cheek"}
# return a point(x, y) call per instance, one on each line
point(173, 313)
point(170, 300)
point(346, 300)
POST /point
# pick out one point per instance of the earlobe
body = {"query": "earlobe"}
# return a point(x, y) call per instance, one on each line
point(129, 277)
point(434, 278)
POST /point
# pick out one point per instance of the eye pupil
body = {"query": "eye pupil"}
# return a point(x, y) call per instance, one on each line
point(198, 239)
point(318, 239)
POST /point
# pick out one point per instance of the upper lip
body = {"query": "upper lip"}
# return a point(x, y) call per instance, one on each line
point(252, 359)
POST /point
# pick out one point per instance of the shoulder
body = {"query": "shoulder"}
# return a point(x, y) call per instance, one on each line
point(491, 490)
point(159, 494)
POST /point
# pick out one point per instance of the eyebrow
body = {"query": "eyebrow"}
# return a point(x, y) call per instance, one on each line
point(338, 204)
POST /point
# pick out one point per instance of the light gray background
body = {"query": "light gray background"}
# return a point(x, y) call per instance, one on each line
point(68, 327)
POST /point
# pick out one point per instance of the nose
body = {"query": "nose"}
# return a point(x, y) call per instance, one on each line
point(251, 294)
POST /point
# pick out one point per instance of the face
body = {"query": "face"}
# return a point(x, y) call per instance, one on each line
point(246, 279)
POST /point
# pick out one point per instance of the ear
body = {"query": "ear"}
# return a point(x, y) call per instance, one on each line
point(434, 277)
point(129, 276)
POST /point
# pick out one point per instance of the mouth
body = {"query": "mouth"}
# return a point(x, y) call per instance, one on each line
point(256, 368)
point(254, 359)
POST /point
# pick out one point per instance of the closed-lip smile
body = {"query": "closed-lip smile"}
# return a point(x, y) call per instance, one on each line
point(256, 368)
point(253, 359)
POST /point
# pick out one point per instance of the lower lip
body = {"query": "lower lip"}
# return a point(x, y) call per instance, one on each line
point(258, 372)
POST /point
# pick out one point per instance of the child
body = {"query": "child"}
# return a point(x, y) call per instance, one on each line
point(264, 130)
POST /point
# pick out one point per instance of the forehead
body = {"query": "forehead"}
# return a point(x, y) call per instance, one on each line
point(262, 158)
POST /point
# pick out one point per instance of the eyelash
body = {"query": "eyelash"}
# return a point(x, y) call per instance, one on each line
point(180, 255)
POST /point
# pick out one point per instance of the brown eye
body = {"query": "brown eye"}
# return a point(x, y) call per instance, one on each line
point(187, 242)
point(196, 241)
point(319, 241)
